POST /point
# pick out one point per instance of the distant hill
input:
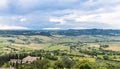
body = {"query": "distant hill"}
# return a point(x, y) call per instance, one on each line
point(73, 32)
point(70, 32)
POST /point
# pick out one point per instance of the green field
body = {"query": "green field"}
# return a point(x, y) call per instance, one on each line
point(55, 42)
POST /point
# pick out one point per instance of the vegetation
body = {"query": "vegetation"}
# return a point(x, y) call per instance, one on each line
point(70, 49)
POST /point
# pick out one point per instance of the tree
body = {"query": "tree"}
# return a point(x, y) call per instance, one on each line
point(85, 64)
point(68, 62)
point(42, 64)
point(59, 65)
point(105, 57)
point(102, 67)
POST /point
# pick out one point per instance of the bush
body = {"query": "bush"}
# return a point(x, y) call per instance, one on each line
point(52, 57)
point(106, 57)
point(58, 65)
point(101, 68)
point(84, 64)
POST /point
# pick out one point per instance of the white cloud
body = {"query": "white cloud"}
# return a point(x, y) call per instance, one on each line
point(51, 28)
point(27, 4)
point(62, 13)
point(57, 20)
point(79, 28)
point(101, 2)
point(101, 15)
point(112, 18)
point(23, 20)
point(18, 20)
point(8, 27)
point(3, 4)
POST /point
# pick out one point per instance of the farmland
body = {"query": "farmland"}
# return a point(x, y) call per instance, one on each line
point(54, 42)
point(57, 47)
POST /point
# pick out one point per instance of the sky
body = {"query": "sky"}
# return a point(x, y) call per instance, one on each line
point(59, 14)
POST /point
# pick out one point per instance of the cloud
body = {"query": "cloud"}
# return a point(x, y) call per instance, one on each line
point(8, 27)
point(28, 6)
point(79, 28)
point(23, 20)
point(56, 20)
point(64, 14)
point(3, 4)
point(51, 28)
point(100, 16)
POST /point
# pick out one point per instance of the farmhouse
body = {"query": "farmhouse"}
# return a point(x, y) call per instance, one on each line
point(29, 59)
point(7, 68)
point(15, 60)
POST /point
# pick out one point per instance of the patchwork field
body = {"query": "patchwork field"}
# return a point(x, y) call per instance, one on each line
point(21, 43)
